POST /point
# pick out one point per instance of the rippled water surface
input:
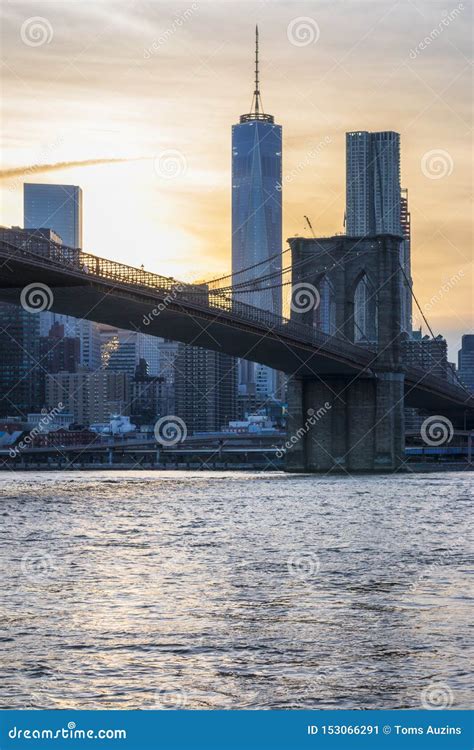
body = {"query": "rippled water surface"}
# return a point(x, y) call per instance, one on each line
point(231, 590)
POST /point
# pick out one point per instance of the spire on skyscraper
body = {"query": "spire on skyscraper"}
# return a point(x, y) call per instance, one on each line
point(257, 100)
point(256, 110)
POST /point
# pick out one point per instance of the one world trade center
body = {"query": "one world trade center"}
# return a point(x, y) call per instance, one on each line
point(257, 223)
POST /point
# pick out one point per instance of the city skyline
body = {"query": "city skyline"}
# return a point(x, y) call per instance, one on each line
point(188, 216)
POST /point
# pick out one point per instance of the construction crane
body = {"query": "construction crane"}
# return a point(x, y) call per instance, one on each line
point(310, 226)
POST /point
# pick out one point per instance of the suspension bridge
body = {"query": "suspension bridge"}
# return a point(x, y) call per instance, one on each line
point(363, 383)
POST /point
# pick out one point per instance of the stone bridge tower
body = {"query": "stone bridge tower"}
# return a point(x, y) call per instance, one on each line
point(349, 288)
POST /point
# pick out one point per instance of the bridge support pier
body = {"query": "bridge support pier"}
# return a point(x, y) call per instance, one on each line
point(345, 425)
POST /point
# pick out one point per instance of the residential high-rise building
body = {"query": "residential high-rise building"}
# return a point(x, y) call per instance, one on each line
point(466, 361)
point(372, 183)
point(57, 207)
point(150, 396)
point(58, 352)
point(90, 396)
point(375, 201)
point(205, 388)
point(257, 213)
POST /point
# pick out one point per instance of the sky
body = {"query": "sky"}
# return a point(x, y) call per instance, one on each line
point(146, 92)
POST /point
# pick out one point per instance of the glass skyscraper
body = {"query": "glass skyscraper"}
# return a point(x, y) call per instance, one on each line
point(257, 216)
point(57, 207)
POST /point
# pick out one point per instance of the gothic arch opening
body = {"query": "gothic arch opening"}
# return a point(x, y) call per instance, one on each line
point(365, 311)
point(325, 312)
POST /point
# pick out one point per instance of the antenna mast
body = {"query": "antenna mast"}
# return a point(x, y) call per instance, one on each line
point(256, 92)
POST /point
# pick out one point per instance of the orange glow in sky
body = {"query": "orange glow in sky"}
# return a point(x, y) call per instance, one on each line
point(161, 84)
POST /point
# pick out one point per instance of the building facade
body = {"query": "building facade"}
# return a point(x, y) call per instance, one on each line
point(20, 370)
point(372, 183)
point(466, 361)
point(205, 388)
point(57, 207)
point(90, 396)
point(150, 397)
point(427, 353)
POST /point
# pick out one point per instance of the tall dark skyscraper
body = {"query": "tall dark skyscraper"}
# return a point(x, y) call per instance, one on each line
point(205, 388)
point(257, 214)
point(466, 361)
point(20, 373)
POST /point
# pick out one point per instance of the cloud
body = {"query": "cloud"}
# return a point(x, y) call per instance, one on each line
point(42, 168)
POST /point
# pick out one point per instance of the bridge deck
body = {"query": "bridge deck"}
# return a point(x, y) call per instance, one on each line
point(86, 286)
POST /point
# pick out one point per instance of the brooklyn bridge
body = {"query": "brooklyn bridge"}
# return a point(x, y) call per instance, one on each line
point(357, 378)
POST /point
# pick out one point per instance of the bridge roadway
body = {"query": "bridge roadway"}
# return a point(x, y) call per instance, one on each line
point(86, 286)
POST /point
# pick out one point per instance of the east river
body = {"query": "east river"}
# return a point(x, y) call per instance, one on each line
point(231, 590)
